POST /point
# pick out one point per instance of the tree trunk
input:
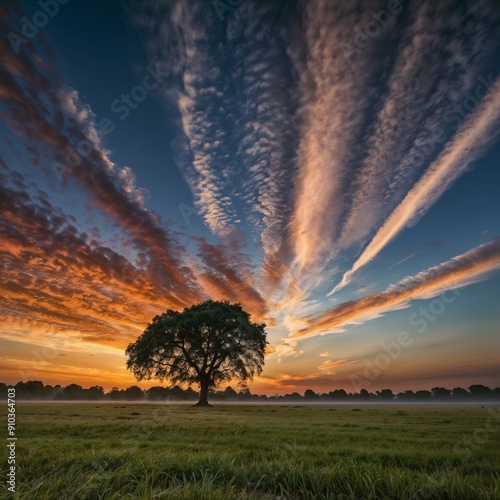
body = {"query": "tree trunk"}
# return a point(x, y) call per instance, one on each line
point(204, 386)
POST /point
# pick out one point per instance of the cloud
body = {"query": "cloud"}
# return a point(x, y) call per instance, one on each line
point(70, 280)
point(475, 134)
point(411, 125)
point(236, 72)
point(328, 367)
point(459, 271)
point(226, 274)
point(182, 40)
point(332, 116)
point(57, 279)
point(40, 107)
point(270, 350)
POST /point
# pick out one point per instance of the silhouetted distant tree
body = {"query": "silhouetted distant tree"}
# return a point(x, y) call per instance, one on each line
point(71, 392)
point(49, 392)
point(133, 393)
point(244, 395)
point(338, 395)
point(35, 389)
point(176, 393)
point(115, 394)
point(385, 395)
point(364, 395)
point(460, 394)
point(94, 393)
point(190, 394)
point(423, 395)
point(405, 396)
point(32, 389)
point(479, 391)
point(440, 393)
point(3, 390)
point(230, 394)
point(310, 395)
point(294, 396)
point(157, 393)
point(207, 344)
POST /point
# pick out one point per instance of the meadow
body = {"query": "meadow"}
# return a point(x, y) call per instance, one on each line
point(146, 451)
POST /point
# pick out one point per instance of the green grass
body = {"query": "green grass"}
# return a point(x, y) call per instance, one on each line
point(120, 451)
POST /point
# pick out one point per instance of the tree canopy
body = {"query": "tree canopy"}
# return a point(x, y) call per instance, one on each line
point(207, 343)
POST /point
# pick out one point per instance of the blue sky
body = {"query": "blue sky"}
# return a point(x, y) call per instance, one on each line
point(332, 167)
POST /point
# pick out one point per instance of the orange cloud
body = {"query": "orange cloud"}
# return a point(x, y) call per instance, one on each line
point(463, 269)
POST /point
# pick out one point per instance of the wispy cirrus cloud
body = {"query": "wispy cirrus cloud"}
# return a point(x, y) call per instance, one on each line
point(267, 130)
point(411, 126)
point(248, 171)
point(354, 170)
point(475, 134)
point(333, 112)
point(463, 269)
point(295, 153)
point(227, 274)
point(56, 278)
point(38, 105)
point(182, 41)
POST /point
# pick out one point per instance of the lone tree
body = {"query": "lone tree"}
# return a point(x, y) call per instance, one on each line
point(207, 343)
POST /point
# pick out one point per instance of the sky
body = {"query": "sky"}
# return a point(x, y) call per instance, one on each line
point(332, 166)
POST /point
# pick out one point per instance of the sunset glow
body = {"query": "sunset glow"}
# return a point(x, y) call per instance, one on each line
point(332, 166)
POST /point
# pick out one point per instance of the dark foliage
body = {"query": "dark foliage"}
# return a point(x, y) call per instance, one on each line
point(176, 393)
point(206, 344)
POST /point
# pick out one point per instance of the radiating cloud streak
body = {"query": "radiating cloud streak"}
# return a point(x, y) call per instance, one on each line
point(412, 125)
point(266, 131)
point(461, 270)
point(39, 106)
point(332, 113)
point(227, 275)
point(473, 137)
point(57, 279)
point(182, 40)
point(245, 170)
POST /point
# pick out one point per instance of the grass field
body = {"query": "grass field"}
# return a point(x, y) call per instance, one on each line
point(119, 450)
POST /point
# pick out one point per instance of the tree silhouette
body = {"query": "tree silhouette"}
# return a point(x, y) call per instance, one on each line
point(441, 393)
point(480, 391)
point(385, 394)
point(133, 393)
point(310, 394)
point(207, 344)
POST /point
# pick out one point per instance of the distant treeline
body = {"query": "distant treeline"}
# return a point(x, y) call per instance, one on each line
point(37, 390)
